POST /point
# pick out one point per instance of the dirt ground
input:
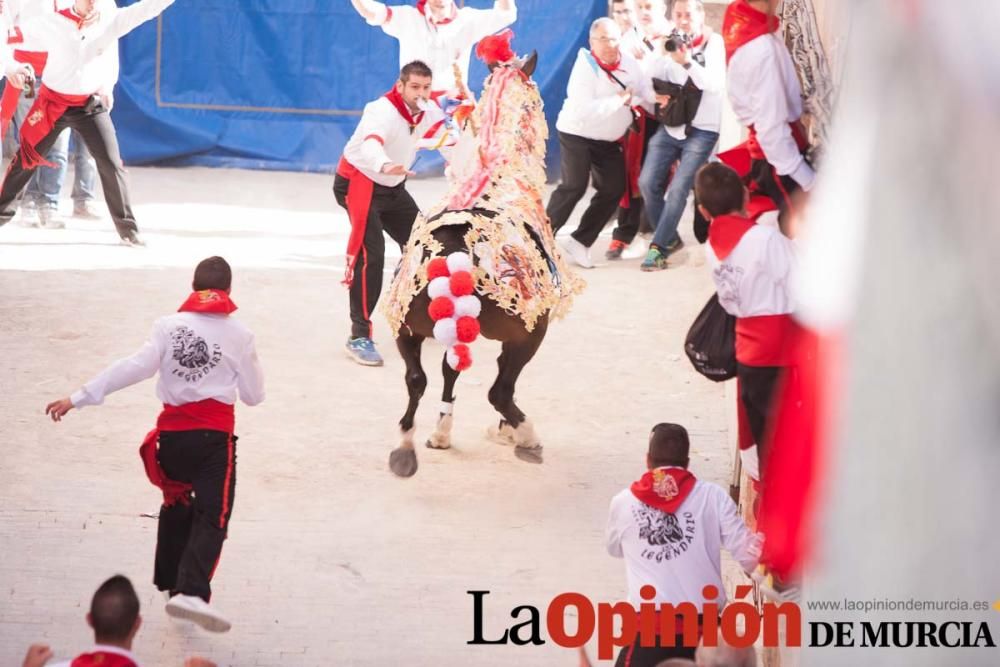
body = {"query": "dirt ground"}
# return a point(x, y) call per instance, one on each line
point(330, 559)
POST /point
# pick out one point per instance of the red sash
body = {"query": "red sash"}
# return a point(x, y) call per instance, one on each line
point(207, 414)
point(664, 488)
point(102, 659)
point(359, 201)
point(48, 108)
point(632, 144)
point(743, 23)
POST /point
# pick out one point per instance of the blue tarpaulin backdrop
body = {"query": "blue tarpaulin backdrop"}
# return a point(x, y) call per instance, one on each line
point(280, 84)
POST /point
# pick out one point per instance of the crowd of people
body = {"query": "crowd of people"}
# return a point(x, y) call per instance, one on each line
point(640, 123)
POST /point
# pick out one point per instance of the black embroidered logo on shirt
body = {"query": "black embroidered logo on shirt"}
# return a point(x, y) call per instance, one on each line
point(663, 533)
point(191, 351)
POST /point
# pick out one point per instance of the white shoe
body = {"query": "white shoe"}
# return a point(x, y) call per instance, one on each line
point(48, 218)
point(195, 609)
point(28, 216)
point(579, 253)
point(637, 249)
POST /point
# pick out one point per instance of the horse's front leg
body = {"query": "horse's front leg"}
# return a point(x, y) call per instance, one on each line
point(403, 459)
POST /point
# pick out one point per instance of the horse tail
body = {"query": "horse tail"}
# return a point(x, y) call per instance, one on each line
point(454, 306)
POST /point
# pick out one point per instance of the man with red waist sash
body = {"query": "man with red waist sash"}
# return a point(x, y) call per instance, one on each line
point(371, 184)
point(205, 359)
point(752, 267)
point(82, 67)
point(766, 97)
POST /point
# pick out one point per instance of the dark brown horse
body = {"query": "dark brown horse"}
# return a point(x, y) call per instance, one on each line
point(519, 342)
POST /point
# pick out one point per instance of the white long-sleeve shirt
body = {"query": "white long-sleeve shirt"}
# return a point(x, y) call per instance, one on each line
point(198, 355)
point(593, 108)
point(84, 61)
point(710, 78)
point(678, 554)
point(384, 136)
point(764, 91)
point(440, 45)
point(102, 648)
point(756, 277)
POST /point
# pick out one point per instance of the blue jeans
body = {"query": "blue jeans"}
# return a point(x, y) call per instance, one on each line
point(664, 150)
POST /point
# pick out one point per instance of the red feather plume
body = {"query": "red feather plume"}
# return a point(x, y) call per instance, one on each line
point(496, 48)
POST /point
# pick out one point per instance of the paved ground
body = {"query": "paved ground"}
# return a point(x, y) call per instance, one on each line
point(330, 560)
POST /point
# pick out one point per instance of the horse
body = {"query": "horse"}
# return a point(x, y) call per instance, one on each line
point(520, 280)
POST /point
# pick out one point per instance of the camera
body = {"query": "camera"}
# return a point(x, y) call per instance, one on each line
point(676, 40)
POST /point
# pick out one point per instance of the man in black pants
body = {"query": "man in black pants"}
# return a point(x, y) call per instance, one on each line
point(371, 185)
point(82, 68)
point(205, 359)
point(603, 86)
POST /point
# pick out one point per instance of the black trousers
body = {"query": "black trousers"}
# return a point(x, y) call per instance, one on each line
point(98, 133)
point(778, 188)
point(757, 387)
point(633, 219)
point(583, 160)
point(639, 656)
point(189, 537)
point(393, 211)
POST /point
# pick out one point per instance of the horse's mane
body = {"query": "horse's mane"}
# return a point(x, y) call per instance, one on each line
point(511, 139)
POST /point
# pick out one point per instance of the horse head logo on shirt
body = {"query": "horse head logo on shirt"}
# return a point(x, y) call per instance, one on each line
point(660, 528)
point(190, 350)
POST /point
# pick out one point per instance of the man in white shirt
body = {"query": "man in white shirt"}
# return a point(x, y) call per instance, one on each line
point(603, 87)
point(371, 185)
point(670, 529)
point(438, 33)
point(700, 66)
point(82, 68)
point(205, 359)
point(766, 97)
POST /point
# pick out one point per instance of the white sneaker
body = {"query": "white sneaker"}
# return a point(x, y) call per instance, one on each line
point(48, 218)
point(28, 216)
point(195, 609)
point(637, 249)
point(579, 253)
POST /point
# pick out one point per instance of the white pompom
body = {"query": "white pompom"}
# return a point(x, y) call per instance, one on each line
point(468, 306)
point(452, 358)
point(439, 287)
point(459, 261)
point(444, 331)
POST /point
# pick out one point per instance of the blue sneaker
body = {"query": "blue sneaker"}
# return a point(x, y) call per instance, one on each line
point(363, 351)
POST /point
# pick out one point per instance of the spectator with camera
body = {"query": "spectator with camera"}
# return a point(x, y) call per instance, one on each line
point(689, 94)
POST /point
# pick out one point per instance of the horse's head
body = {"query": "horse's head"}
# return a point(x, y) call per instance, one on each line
point(525, 64)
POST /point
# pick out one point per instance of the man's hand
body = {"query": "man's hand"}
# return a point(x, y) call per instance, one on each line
point(682, 56)
point(195, 661)
point(107, 98)
point(18, 75)
point(37, 656)
point(626, 96)
point(662, 100)
point(393, 169)
point(638, 53)
point(58, 409)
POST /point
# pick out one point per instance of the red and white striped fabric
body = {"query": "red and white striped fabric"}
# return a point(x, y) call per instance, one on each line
point(454, 306)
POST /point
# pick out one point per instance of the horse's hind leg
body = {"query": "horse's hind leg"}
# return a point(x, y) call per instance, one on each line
point(514, 357)
point(403, 460)
point(441, 437)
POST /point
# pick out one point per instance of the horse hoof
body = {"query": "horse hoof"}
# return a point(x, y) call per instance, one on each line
point(501, 435)
point(529, 454)
point(435, 442)
point(403, 462)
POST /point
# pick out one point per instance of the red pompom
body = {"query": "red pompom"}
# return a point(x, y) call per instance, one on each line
point(437, 268)
point(464, 356)
point(461, 283)
point(496, 48)
point(467, 329)
point(441, 308)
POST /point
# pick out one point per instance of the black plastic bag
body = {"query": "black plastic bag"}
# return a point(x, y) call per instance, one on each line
point(711, 342)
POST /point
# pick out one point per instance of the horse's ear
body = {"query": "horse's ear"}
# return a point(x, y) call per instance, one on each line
point(492, 66)
point(528, 67)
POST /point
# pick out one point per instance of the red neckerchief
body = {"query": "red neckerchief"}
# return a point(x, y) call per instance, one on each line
point(397, 100)
point(422, 8)
point(744, 23)
point(664, 488)
point(80, 22)
point(698, 41)
point(605, 66)
point(102, 659)
point(208, 301)
point(725, 231)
